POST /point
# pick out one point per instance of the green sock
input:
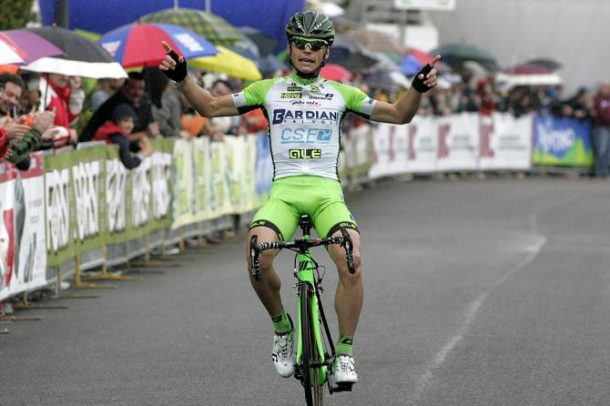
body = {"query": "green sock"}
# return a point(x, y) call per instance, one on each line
point(282, 323)
point(345, 345)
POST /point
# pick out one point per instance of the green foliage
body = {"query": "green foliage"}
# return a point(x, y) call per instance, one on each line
point(15, 14)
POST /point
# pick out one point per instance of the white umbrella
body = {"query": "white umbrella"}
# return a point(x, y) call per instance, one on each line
point(547, 79)
point(95, 70)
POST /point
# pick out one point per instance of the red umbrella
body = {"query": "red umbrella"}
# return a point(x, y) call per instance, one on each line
point(335, 72)
point(135, 45)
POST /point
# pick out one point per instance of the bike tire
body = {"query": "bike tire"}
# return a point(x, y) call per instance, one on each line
point(306, 343)
point(311, 359)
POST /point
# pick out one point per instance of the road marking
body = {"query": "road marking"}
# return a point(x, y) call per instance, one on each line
point(472, 309)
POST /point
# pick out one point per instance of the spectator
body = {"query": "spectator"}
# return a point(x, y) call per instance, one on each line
point(17, 149)
point(169, 115)
point(105, 89)
point(63, 95)
point(11, 89)
point(133, 94)
point(221, 126)
point(601, 131)
point(119, 131)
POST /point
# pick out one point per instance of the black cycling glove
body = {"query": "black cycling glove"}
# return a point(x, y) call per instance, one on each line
point(179, 72)
point(417, 83)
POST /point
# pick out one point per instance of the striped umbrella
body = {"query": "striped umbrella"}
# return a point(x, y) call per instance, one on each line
point(210, 26)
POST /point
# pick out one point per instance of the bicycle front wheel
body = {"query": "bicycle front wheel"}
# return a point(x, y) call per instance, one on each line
point(310, 357)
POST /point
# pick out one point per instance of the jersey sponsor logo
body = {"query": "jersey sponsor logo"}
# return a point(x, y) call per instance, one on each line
point(303, 103)
point(327, 96)
point(287, 115)
point(288, 95)
point(306, 136)
point(314, 89)
point(305, 153)
point(294, 89)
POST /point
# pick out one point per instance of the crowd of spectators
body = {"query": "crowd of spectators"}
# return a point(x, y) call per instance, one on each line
point(52, 111)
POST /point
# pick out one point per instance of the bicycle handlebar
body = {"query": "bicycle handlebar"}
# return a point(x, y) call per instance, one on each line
point(301, 245)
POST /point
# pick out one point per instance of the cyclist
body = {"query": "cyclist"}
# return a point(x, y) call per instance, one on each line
point(304, 113)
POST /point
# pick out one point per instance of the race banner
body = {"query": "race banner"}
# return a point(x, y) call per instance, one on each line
point(357, 152)
point(381, 151)
point(458, 142)
point(23, 258)
point(74, 185)
point(563, 142)
point(423, 145)
point(505, 142)
point(263, 169)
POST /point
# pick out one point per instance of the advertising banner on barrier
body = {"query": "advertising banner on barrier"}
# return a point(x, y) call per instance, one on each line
point(358, 148)
point(22, 234)
point(423, 145)
point(74, 186)
point(560, 141)
point(263, 169)
point(382, 151)
point(458, 142)
point(505, 142)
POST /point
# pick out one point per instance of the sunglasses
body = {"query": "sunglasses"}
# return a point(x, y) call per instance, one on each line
point(315, 45)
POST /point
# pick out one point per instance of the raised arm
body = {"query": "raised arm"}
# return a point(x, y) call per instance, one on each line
point(174, 67)
point(403, 110)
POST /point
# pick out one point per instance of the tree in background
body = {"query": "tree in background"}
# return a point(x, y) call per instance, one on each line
point(15, 14)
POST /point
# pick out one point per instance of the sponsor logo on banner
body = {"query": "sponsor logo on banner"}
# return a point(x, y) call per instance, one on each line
point(58, 209)
point(304, 116)
point(141, 187)
point(306, 136)
point(86, 177)
point(443, 133)
point(116, 178)
point(305, 153)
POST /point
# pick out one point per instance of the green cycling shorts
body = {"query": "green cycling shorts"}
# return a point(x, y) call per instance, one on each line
point(290, 197)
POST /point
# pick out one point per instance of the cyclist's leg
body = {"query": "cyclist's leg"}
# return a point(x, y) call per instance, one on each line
point(267, 288)
point(272, 222)
point(329, 221)
point(349, 295)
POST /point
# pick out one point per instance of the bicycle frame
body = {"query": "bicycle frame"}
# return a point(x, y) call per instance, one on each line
point(305, 272)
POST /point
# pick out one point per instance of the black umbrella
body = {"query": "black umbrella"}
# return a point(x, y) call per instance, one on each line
point(75, 47)
point(265, 43)
point(82, 57)
point(549, 63)
point(351, 55)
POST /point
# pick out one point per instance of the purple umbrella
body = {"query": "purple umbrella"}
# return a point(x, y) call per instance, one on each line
point(34, 45)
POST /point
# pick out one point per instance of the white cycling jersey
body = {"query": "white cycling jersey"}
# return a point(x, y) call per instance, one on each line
point(304, 121)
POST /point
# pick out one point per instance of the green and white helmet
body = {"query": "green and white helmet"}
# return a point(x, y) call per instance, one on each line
point(311, 24)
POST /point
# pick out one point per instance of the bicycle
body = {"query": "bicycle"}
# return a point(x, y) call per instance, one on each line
point(313, 360)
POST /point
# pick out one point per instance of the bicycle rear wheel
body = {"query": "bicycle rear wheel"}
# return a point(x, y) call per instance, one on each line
point(310, 358)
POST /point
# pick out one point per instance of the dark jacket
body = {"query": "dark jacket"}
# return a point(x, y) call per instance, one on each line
point(104, 113)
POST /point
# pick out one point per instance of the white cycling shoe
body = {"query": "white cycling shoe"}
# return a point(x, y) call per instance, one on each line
point(283, 353)
point(344, 369)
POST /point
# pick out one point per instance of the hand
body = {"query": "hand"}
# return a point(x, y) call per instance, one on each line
point(153, 129)
point(14, 129)
point(173, 65)
point(426, 77)
point(43, 120)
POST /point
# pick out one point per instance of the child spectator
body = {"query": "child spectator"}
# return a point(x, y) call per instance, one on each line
point(119, 130)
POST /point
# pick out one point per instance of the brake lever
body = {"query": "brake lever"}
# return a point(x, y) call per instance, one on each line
point(347, 244)
point(256, 266)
